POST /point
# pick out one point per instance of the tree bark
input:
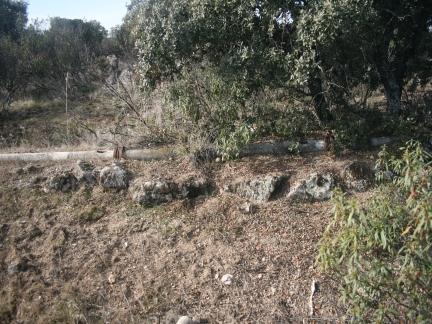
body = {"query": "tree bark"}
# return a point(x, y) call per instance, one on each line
point(393, 93)
point(319, 100)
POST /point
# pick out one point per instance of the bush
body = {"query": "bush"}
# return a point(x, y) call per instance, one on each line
point(381, 254)
point(353, 126)
point(213, 110)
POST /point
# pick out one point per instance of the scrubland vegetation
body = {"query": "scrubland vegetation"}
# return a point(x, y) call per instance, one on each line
point(211, 77)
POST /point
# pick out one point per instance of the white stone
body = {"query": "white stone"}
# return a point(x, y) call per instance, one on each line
point(227, 279)
point(185, 320)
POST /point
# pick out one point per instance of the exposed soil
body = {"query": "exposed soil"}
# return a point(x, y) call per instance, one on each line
point(93, 256)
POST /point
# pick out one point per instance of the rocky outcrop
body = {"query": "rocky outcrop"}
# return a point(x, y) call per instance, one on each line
point(63, 182)
point(114, 177)
point(358, 176)
point(155, 192)
point(259, 189)
point(317, 187)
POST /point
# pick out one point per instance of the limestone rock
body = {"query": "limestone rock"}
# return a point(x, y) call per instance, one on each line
point(247, 208)
point(86, 172)
point(161, 191)
point(63, 182)
point(317, 187)
point(358, 176)
point(153, 192)
point(259, 189)
point(114, 177)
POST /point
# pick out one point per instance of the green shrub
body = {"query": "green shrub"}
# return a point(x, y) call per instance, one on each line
point(212, 109)
point(381, 253)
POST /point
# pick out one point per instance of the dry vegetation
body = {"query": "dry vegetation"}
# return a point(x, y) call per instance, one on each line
point(93, 256)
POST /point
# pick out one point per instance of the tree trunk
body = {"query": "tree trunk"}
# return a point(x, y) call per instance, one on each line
point(393, 93)
point(319, 100)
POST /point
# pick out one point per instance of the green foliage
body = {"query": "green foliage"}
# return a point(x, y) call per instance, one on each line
point(236, 37)
point(350, 42)
point(13, 17)
point(353, 127)
point(287, 122)
point(380, 254)
point(214, 108)
point(37, 61)
point(220, 110)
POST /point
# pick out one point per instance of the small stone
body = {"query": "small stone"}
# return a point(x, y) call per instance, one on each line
point(227, 279)
point(185, 320)
point(111, 279)
point(247, 208)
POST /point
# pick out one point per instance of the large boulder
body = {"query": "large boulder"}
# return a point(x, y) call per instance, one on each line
point(358, 176)
point(63, 182)
point(155, 192)
point(259, 189)
point(317, 187)
point(114, 177)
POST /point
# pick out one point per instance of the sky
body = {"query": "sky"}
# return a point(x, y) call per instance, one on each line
point(108, 12)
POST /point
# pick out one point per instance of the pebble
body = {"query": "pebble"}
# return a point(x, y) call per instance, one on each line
point(111, 279)
point(227, 279)
point(185, 320)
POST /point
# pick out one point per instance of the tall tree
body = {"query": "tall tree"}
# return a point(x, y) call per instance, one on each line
point(13, 17)
point(247, 39)
point(352, 41)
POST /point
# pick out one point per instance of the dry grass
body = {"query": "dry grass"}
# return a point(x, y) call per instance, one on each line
point(94, 256)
